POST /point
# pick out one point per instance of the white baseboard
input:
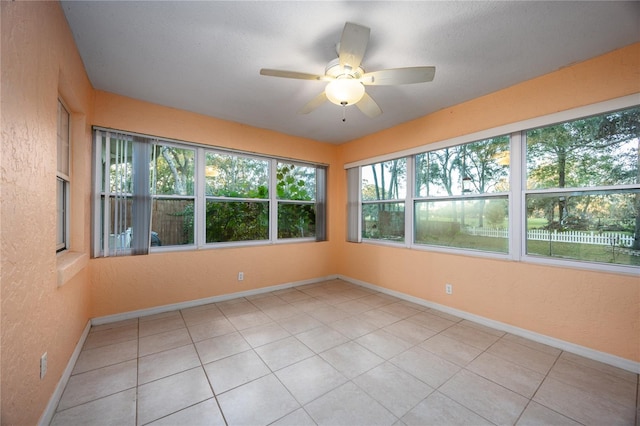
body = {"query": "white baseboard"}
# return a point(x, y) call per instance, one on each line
point(192, 303)
point(616, 361)
point(48, 413)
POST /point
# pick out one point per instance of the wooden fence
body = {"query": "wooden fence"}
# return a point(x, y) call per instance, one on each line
point(576, 237)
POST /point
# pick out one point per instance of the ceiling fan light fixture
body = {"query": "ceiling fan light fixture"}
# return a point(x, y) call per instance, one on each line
point(344, 91)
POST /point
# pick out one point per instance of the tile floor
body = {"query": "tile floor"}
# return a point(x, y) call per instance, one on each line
point(333, 353)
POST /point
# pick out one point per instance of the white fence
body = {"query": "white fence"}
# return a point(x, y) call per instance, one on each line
point(579, 237)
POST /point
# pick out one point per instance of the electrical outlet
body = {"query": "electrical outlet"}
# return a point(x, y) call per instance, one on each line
point(448, 288)
point(43, 365)
point(240, 276)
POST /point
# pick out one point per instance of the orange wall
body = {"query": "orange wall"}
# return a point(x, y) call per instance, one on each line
point(39, 61)
point(596, 310)
point(125, 284)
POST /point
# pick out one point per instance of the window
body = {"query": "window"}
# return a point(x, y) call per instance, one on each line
point(63, 179)
point(583, 189)
point(384, 190)
point(157, 195)
point(567, 192)
point(462, 196)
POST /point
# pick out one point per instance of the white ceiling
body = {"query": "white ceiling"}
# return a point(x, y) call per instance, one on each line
point(206, 56)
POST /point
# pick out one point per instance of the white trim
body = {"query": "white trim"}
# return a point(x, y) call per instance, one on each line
point(49, 412)
point(616, 361)
point(532, 123)
point(198, 302)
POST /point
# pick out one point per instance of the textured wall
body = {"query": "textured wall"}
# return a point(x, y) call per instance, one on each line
point(596, 310)
point(38, 60)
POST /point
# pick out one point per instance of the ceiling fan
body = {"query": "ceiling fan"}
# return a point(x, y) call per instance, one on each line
point(347, 78)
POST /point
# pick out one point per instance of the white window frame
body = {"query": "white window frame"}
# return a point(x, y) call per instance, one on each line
point(199, 196)
point(64, 177)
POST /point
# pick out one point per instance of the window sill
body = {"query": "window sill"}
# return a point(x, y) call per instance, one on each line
point(69, 263)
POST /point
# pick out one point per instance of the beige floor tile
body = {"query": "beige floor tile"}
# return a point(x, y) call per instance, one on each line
point(377, 300)
point(451, 349)
point(91, 359)
point(160, 325)
point(297, 418)
point(171, 394)
point(409, 331)
point(98, 383)
point(235, 370)
point(111, 336)
point(211, 328)
point(353, 327)
point(205, 413)
point(471, 336)
point(354, 307)
point(163, 341)
point(512, 376)
point(238, 306)
point(595, 382)
point(248, 320)
point(351, 359)
point(299, 323)
point(437, 409)
point(379, 318)
point(397, 390)
point(383, 344)
point(328, 314)
point(292, 295)
point(431, 321)
point(166, 363)
point(308, 305)
point(161, 315)
point(599, 366)
point(322, 338)
point(263, 334)
point(399, 309)
point(267, 300)
point(348, 405)
point(199, 316)
point(483, 328)
point(485, 398)
point(582, 406)
point(259, 402)
point(220, 347)
point(116, 409)
point(538, 415)
point(533, 345)
point(310, 378)
point(283, 353)
point(426, 366)
point(285, 311)
point(445, 315)
point(525, 356)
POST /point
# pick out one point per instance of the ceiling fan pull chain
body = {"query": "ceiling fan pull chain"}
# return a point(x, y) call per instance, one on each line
point(344, 112)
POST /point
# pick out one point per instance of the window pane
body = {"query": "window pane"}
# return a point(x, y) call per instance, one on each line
point(296, 182)
point(385, 181)
point(237, 221)
point(120, 222)
point(478, 224)
point(296, 220)
point(120, 166)
point(595, 151)
point(596, 226)
point(480, 167)
point(174, 170)
point(383, 221)
point(236, 176)
point(171, 222)
point(61, 195)
point(63, 140)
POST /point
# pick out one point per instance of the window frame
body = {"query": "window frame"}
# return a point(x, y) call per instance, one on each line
point(63, 198)
point(517, 193)
point(200, 196)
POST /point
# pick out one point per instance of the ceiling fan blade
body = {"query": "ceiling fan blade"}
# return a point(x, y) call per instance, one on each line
point(313, 103)
point(292, 74)
point(353, 44)
point(399, 76)
point(368, 106)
